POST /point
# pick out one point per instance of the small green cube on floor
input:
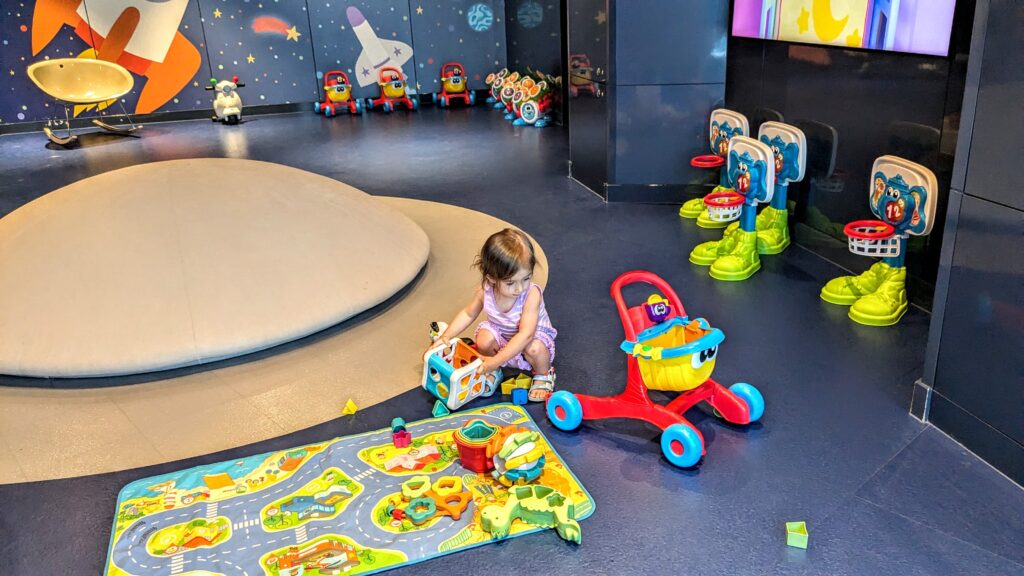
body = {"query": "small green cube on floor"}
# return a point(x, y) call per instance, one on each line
point(796, 534)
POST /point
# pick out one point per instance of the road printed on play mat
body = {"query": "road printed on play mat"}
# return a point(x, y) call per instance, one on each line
point(316, 506)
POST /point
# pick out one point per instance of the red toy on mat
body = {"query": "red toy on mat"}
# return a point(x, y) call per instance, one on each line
point(665, 350)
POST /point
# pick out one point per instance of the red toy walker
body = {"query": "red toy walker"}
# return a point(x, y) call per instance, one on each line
point(392, 91)
point(666, 350)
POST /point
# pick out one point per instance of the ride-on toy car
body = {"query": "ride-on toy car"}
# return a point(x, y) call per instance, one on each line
point(454, 86)
point(337, 96)
point(392, 91)
point(665, 350)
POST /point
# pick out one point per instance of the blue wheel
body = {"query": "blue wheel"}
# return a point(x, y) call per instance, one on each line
point(328, 111)
point(388, 107)
point(359, 106)
point(564, 411)
point(681, 445)
point(472, 98)
point(369, 103)
point(444, 101)
point(416, 103)
point(316, 107)
point(434, 97)
point(752, 397)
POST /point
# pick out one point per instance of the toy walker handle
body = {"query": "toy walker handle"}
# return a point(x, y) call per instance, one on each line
point(651, 278)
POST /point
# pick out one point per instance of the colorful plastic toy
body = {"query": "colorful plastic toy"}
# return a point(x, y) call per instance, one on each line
point(397, 425)
point(392, 91)
point(522, 381)
point(338, 96)
point(227, 106)
point(581, 77)
point(535, 505)
point(723, 126)
point(677, 354)
point(350, 408)
point(903, 198)
point(454, 86)
point(440, 409)
point(446, 497)
point(517, 456)
point(751, 171)
point(789, 150)
point(497, 82)
point(520, 396)
point(530, 103)
point(449, 373)
point(401, 439)
point(796, 534)
point(473, 441)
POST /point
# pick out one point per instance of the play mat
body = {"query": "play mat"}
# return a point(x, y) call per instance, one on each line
point(325, 508)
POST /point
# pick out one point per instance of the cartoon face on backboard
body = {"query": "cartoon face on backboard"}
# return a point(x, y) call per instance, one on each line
point(903, 195)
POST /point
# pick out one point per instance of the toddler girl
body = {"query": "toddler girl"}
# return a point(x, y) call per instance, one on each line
point(517, 331)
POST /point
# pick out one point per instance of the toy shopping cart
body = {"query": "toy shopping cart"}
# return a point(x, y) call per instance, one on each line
point(665, 350)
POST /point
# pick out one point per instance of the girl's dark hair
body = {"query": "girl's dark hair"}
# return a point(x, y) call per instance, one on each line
point(504, 254)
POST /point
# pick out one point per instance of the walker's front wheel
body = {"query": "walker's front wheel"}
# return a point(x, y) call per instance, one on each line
point(564, 411)
point(681, 445)
point(751, 397)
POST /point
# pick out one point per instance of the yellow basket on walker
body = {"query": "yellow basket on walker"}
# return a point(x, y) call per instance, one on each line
point(676, 355)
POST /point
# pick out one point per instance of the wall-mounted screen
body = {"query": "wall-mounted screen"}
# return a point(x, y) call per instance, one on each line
point(918, 26)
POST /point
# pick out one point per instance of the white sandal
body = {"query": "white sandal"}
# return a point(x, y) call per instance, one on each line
point(542, 386)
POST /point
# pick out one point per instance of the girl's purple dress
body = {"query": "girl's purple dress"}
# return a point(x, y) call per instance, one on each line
point(504, 325)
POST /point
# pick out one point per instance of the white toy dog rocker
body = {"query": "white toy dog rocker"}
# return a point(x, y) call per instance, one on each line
point(228, 104)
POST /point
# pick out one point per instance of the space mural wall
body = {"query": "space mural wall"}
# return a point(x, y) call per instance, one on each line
point(279, 48)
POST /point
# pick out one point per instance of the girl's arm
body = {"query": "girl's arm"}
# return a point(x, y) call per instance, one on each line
point(465, 317)
point(518, 343)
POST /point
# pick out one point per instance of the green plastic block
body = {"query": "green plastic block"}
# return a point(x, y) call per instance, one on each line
point(440, 410)
point(796, 534)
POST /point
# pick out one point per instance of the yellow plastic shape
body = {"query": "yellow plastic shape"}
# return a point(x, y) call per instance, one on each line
point(350, 408)
point(796, 534)
point(446, 485)
point(415, 487)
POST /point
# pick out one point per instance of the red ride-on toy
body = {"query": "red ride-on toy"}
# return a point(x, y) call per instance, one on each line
point(392, 91)
point(665, 350)
point(454, 86)
point(338, 95)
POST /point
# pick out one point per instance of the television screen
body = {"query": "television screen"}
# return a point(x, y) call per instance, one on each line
point(918, 26)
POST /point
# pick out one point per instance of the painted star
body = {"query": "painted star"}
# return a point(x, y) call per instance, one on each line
point(398, 52)
point(601, 17)
point(366, 71)
point(419, 9)
point(418, 86)
point(804, 20)
point(250, 58)
point(293, 34)
point(217, 12)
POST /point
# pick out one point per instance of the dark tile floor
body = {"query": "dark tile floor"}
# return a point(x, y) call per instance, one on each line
point(881, 492)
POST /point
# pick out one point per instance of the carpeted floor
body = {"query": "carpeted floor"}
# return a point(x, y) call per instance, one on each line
point(881, 492)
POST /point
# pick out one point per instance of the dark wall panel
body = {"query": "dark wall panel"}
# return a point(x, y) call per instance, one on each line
point(471, 32)
point(979, 367)
point(998, 134)
point(267, 45)
point(690, 48)
point(337, 47)
point(177, 69)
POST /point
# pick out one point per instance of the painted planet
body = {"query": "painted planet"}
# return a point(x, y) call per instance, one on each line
point(480, 17)
point(530, 14)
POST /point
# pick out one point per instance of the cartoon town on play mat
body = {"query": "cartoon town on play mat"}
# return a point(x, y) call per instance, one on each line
point(353, 505)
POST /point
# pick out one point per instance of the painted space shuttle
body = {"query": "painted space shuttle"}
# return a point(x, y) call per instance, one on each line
point(377, 52)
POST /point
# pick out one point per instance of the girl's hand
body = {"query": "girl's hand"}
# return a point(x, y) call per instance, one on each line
point(488, 365)
point(434, 344)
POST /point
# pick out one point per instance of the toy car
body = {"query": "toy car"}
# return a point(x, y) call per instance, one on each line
point(530, 103)
point(392, 91)
point(581, 77)
point(338, 96)
point(454, 86)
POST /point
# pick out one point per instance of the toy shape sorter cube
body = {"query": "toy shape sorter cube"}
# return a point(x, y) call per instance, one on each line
point(724, 124)
point(902, 196)
point(789, 151)
point(449, 373)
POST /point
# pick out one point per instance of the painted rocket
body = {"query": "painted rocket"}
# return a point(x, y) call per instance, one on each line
point(377, 52)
